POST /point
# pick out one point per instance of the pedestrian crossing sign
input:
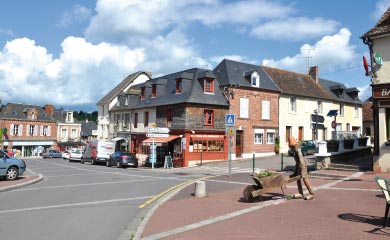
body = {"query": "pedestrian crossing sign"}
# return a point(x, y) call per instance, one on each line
point(230, 119)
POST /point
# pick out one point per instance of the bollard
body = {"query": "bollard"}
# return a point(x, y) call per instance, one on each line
point(281, 162)
point(253, 165)
point(200, 189)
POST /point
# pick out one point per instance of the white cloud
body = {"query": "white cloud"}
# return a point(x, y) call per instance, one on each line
point(381, 8)
point(329, 53)
point(294, 28)
point(77, 14)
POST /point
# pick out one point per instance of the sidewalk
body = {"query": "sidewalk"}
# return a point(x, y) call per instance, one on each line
point(349, 208)
point(26, 179)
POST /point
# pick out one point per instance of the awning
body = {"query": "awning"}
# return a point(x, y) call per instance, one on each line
point(160, 139)
point(116, 139)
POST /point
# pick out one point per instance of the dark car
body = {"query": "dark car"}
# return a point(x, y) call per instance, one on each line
point(122, 159)
point(307, 147)
point(52, 154)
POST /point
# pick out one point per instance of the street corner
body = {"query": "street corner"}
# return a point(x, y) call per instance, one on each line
point(22, 181)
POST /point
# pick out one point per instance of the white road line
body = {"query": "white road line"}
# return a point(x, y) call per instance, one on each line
point(75, 204)
point(69, 175)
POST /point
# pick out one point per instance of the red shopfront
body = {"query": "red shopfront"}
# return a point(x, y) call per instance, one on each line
point(204, 147)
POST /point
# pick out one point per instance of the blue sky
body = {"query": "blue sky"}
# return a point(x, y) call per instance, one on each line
point(71, 53)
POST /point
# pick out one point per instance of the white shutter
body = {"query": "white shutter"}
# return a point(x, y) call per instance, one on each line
point(41, 131)
point(27, 130)
point(48, 131)
point(20, 130)
point(11, 132)
point(244, 108)
point(35, 130)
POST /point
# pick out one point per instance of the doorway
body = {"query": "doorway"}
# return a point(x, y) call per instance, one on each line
point(239, 143)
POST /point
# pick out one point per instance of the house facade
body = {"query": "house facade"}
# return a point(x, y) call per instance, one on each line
point(254, 100)
point(27, 129)
point(377, 67)
point(68, 130)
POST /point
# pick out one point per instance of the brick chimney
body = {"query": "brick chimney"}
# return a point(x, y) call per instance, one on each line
point(314, 73)
point(49, 109)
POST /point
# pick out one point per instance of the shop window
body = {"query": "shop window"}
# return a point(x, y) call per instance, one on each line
point(208, 117)
point(206, 146)
point(135, 120)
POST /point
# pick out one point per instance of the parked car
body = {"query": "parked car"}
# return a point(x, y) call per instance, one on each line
point(66, 154)
point(52, 154)
point(10, 167)
point(122, 159)
point(307, 147)
point(76, 155)
point(98, 151)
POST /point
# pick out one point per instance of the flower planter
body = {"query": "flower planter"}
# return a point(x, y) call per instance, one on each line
point(348, 143)
point(362, 142)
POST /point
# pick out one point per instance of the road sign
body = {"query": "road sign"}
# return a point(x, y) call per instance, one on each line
point(230, 130)
point(317, 118)
point(156, 130)
point(319, 126)
point(157, 135)
point(230, 119)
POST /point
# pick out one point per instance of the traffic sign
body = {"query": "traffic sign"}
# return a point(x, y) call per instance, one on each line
point(156, 130)
point(230, 119)
point(317, 118)
point(317, 126)
point(157, 135)
point(230, 130)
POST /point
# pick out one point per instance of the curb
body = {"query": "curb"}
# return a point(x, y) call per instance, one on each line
point(8, 188)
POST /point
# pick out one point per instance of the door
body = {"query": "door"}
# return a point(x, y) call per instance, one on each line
point(239, 143)
point(300, 134)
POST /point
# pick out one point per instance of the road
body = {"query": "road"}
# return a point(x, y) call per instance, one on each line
point(83, 201)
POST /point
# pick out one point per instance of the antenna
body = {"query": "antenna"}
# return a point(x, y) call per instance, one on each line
point(308, 56)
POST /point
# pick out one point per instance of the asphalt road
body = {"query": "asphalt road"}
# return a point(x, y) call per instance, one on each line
point(83, 201)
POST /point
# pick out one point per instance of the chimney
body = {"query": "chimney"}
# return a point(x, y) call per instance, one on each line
point(314, 73)
point(49, 109)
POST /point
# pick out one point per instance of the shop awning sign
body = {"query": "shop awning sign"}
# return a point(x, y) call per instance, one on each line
point(157, 135)
point(156, 130)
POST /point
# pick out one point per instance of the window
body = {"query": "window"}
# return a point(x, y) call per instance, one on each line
point(288, 133)
point(44, 131)
point(270, 136)
point(32, 115)
point(31, 130)
point(341, 110)
point(208, 117)
point(244, 108)
point(209, 85)
point(293, 104)
point(259, 136)
point(356, 111)
point(69, 117)
point(265, 110)
point(146, 119)
point(135, 120)
point(64, 133)
point(142, 93)
point(16, 130)
point(179, 85)
point(255, 79)
point(319, 107)
point(126, 119)
point(73, 133)
point(206, 146)
point(169, 118)
point(154, 90)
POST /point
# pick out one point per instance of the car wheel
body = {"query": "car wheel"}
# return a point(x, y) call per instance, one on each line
point(107, 163)
point(93, 162)
point(70, 160)
point(304, 153)
point(82, 161)
point(12, 173)
point(118, 164)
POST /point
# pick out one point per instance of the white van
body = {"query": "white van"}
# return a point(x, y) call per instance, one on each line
point(98, 151)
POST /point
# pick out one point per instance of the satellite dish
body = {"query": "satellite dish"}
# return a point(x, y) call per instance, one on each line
point(365, 64)
point(377, 58)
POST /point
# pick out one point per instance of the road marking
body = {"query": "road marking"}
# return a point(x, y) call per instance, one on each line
point(74, 204)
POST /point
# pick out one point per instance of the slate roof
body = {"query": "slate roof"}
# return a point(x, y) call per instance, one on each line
point(348, 93)
point(192, 91)
point(230, 72)
point(296, 83)
point(87, 127)
point(120, 87)
point(19, 112)
point(381, 27)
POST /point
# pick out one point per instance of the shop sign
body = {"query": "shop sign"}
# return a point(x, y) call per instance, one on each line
point(201, 136)
point(381, 92)
point(156, 130)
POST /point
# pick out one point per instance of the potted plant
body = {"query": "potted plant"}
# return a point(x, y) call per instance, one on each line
point(348, 143)
point(277, 145)
point(332, 145)
point(362, 141)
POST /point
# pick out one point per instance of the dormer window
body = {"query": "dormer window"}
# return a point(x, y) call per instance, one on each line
point(255, 79)
point(154, 90)
point(179, 85)
point(208, 85)
point(338, 90)
point(69, 117)
point(142, 93)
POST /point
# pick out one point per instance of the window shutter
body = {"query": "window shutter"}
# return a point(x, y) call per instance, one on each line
point(27, 130)
point(48, 131)
point(41, 132)
point(35, 130)
point(11, 132)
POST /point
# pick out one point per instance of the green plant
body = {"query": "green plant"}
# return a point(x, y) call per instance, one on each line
point(266, 173)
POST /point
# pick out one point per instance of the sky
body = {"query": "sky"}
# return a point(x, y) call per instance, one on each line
point(71, 53)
